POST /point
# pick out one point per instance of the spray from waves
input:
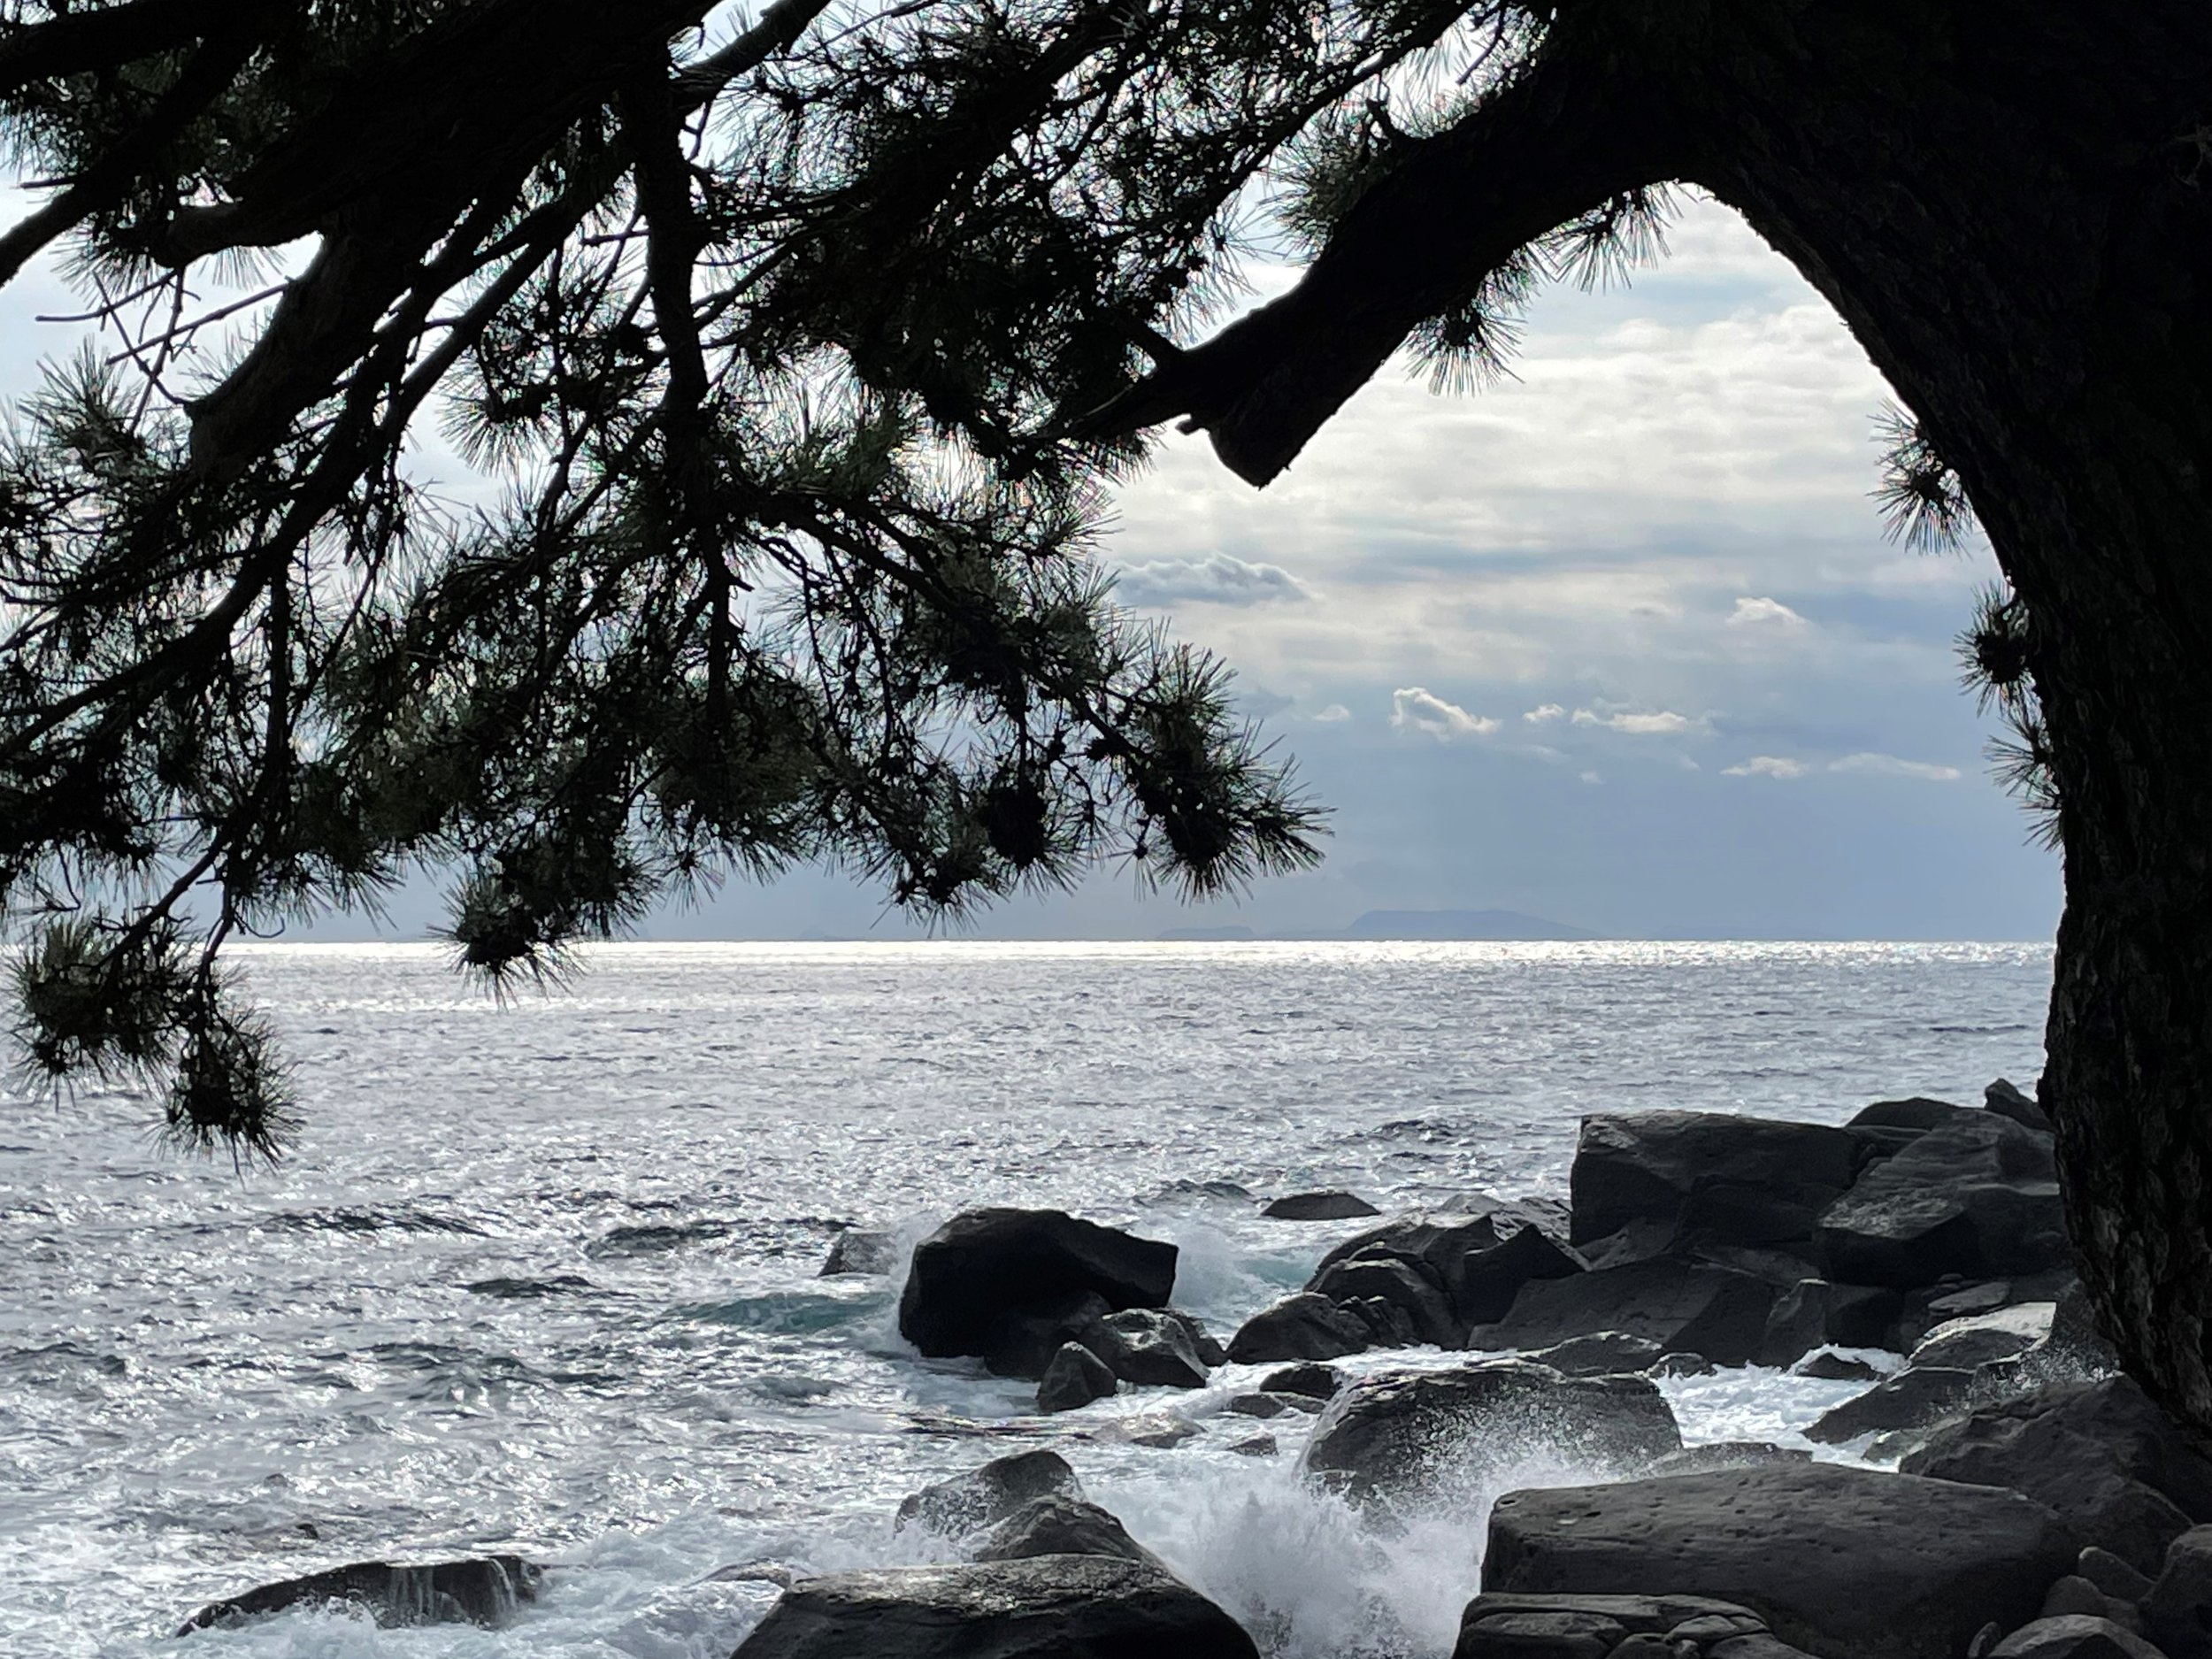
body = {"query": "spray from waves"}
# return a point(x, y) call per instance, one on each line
point(1314, 1576)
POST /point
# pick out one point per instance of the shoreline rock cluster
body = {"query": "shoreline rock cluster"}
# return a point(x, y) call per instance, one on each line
point(2043, 1509)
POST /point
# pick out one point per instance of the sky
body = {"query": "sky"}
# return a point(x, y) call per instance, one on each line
point(1618, 643)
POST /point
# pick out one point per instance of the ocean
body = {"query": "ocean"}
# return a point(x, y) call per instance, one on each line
point(541, 1276)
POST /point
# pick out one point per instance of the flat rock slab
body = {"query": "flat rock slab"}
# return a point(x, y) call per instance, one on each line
point(1047, 1607)
point(483, 1591)
point(1328, 1206)
point(1402, 1433)
point(1846, 1564)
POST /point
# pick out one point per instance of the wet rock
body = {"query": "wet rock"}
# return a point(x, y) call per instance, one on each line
point(1159, 1430)
point(1816, 1312)
point(1268, 1405)
point(1304, 1326)
point(1398, 1433)
point(1716, 1455)
point(982, 1267)
point(2075, 1347)
point(2007, 1102)
point(969, 1502)
point(1258, 1445)
point(2102, 1455)
point(1600, 1354)
point(1022, 1341)
point(1680, 1365)
point(1074, 1379)
point(1507, 1626)
point(1410, 1288)
point(1204, 1342)
point(1061, 1526)
point(1911, 1399)
point(1047, 1607)
point(1832, 1367)
point(1918, 1114)
point(2075, 1596)
point(1667, 1182)
point(1149, 1347)
point(485, 1590)
point(1763, 1647)
point(1977, 1196)
point(1318, 1382)
point(1683, 1306)
point(1485, 1282)
point(2005, 1334)
point(2178, 1613)
point(2074, 1638)
point(1329, 1206)
point(1908, 1569)
point(857, 1250)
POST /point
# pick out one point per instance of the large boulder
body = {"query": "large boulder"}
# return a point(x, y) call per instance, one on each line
point(1685, 1307)
point(1410, 1286)
point(1913, 1399)
point(2006, 1099)
point(1486, 1283)
point(1400, 1434)
point(986, 1495)
point(1915, 1116)
point(990, 1264)
point(1572, 1626)
point(1332, 1205)
point(2178, 1613)
point(485, 1590)
point(1058, 1525)
point(1152, 1346)
point(1816, 1313)
point(1844, 1562)
point(2074, 1636)
point(1665, 1182)
point(1460, 1251)
point(2103, 1454)
point(1980, 1338)
point(857, 1250)
point(1304, 1326)
point(1073, 1378)
point(1977, 1197)
point(1044, 1607)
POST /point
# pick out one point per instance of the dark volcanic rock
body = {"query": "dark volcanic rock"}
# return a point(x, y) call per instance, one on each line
point(1486, 1281)
point(1074, 1379)
point(1665, 1182)
point(1477, 1258)
point(1407, 1285)
point(1061, 1526)
point(1304, 1326)
point(1911, 1399)
point(1977, 1197)
point(1021, 1341)
point(2074, 1637)
point(1496, 1626)
point(1848, 1563)
point(1329, 1206)
point(984, 1265)
point(2007, 1102)
point(2102, 1455)
point(1048, 1607)
point(1318, 1382)
point(1815, 1312)
point(990, 1493)
point(1980, 1338)
point(859, 1251)
point(2178, 1613)
point(1148, 1345)
point(1601, 1353)
point(1685, 1307)
point(1918, 1114)
point(484, 1591)
point(1716, 1455)
point(1398, 1432)
point(1832, 1367)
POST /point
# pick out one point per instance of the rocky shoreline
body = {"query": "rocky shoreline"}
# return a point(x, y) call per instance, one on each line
point(2042, 1507)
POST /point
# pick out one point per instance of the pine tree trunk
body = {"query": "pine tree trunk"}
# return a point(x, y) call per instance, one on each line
point(2011, 206)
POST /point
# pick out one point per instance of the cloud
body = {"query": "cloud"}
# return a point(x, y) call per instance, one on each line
point(1767, 766)
point(1218, 579)
point(1876, 765)
point(1891, 766)
point(1416, 708)
point(1335, 714)
point(1545, 713)
point(1661, 723)
point(1750, 613)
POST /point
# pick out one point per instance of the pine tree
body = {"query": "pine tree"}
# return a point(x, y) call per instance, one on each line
point(808, 352)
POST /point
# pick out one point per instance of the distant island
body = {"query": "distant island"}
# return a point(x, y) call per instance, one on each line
point(1490, 924)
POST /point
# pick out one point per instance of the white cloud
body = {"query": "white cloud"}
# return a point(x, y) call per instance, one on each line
point(1661, 723)
point(1219, 578)
point(1543, 713)
point(1891, 766)
point(1592, 777)
point(1767, 766)
point(1335, 714)
point(1416, 708)
point(1764, 613)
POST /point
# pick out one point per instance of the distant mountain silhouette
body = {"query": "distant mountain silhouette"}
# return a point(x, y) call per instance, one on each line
point(1491, 924)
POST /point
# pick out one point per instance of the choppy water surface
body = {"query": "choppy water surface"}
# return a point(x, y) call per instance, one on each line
point(542, 1277)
